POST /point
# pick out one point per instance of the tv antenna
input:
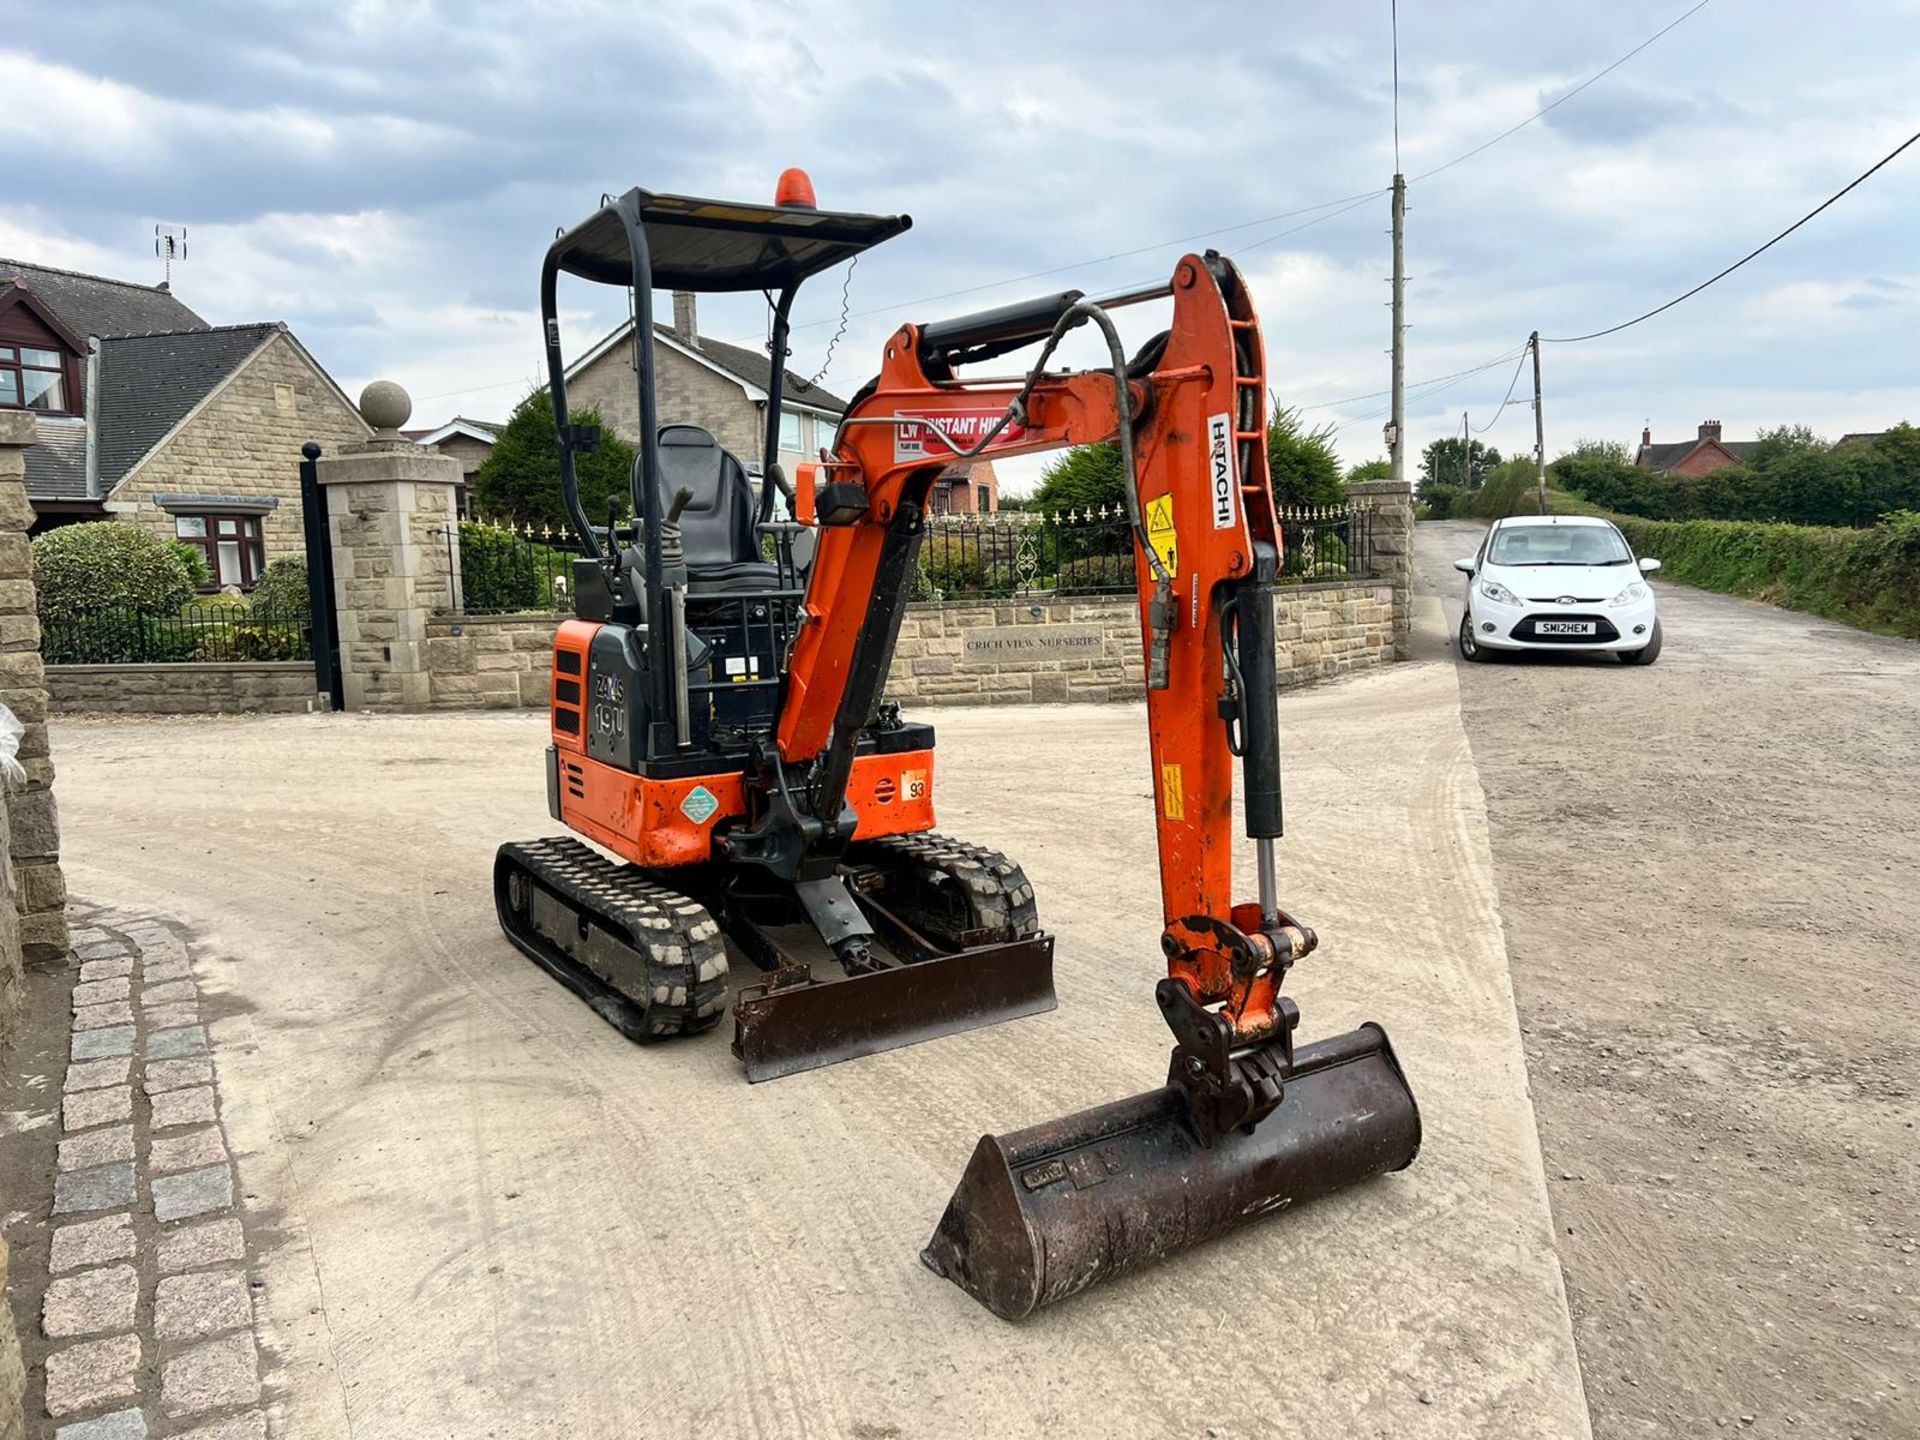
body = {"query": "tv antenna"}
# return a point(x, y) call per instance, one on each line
point(170, 244)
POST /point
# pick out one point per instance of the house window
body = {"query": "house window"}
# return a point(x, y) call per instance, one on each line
point(986, 498)
point(824, 431)
point(32, 379)
point(789, 431)
point(232, 545)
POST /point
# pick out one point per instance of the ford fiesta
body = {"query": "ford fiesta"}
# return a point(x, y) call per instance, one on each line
point(1558, 582)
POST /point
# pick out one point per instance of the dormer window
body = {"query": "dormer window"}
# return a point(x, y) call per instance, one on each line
point(32, 379)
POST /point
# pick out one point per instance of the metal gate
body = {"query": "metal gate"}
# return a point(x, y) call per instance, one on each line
point(323, 635)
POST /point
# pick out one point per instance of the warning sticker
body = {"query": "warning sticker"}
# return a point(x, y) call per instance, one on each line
point(1173, 795)
point(1161, 535)
point(699, 806)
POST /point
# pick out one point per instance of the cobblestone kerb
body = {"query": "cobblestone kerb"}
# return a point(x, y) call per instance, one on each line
point(149, 1302)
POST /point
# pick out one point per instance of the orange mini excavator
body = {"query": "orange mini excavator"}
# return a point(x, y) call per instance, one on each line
point(719, 724)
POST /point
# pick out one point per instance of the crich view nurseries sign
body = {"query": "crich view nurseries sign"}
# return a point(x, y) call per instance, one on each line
point(984, 646)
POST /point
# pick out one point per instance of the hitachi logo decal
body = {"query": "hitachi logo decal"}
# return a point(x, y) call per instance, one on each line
point(1220, 469)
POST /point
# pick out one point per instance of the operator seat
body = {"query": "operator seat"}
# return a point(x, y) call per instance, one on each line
point(716, 528)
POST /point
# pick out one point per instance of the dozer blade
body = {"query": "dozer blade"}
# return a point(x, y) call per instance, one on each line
point(783, 1029)
point(1047, 1212)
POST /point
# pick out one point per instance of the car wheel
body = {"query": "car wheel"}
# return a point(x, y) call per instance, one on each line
point(1469, 649)
point(1647, 653)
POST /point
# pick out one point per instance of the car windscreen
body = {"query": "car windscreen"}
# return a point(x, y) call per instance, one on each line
point(1559, 545)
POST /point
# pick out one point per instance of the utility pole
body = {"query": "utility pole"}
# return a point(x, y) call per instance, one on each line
point(1539, 425)
point(1466, 453)
point(1397, 431)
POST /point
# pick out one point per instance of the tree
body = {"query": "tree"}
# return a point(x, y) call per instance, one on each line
point(1446, 462)
point(1371, 470)
point(520, 479)
point(1085, 478)
point(1301, 464)
point(1611, 451)
point(1773, 446)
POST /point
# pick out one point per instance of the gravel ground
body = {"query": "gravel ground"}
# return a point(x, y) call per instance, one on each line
point(495, 1216)
point(1706, 870)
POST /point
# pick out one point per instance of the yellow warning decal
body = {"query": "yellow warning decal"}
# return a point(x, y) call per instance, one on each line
point(1173, 794)
point(1161, 535)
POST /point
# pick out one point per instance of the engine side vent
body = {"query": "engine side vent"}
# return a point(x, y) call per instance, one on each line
point(884, 790)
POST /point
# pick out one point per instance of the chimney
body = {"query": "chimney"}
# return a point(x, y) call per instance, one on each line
point(1710, 430)
point(1646, 434)
point(685, 323)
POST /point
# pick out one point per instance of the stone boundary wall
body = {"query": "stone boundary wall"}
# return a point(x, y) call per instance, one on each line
point(963, 652)
point(974, 653)
point(490, 662)
point(277, 687)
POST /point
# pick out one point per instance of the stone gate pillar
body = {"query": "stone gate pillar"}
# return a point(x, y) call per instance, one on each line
point(1392, 506)
point(396, 553)
point(38, 890)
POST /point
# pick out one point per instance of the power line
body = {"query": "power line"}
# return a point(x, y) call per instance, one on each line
point(1499, 359)
point(1511, 385)
point(1514, 130)
point(1750, 255)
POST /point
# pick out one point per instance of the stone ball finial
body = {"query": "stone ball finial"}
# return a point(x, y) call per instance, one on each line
point(386, 407)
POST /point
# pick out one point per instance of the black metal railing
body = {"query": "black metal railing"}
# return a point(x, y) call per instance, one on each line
point(201, 632)
point(1090, 552)
point(507, 569)
point(1326, 542)
point(1006, 553)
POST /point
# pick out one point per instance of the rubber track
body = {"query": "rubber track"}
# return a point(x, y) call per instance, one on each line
point(675, 936)
point(998, 890)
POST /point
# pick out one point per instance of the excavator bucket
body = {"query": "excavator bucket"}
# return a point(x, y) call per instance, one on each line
point(1045, 1213)
point(781, 1029)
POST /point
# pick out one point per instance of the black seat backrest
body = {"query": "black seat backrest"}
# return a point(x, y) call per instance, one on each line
point(717, 527)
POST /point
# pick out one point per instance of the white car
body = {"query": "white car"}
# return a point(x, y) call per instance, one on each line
point(1558, 582)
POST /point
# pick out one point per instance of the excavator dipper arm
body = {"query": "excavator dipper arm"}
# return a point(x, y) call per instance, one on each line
point(1245, 1124)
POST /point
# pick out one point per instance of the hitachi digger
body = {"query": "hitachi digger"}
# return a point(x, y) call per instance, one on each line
point(719, 724)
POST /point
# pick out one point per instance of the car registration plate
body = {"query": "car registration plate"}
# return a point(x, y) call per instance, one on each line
point(1562, 627)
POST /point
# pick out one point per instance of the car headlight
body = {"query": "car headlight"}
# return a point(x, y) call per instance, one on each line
point(1497, 593)
point(1633, 594)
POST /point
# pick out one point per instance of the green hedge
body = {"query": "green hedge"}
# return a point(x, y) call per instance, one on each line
point(1869, 578)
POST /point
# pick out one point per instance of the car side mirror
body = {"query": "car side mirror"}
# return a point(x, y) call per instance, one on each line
point(1465, 567)
point(1648, 565)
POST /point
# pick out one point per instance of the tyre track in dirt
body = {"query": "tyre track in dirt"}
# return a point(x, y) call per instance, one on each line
point(1705, 871)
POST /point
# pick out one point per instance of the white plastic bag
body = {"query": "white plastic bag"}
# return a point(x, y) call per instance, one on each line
point(10, 732)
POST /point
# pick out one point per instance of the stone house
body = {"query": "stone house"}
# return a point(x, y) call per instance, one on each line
point(1702, 455)
point(148, 414)
point(707, 382)
point(469, 442)
point(724, 388)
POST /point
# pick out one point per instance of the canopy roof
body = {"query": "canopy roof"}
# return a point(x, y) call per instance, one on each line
point(719, 245)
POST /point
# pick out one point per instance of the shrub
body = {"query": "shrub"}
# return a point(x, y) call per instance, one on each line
point(104, 565)
point(1441, 501)
point(501, 571)
point(282, 591)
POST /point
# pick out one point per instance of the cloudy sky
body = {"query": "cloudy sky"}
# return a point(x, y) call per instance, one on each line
point(385, 177)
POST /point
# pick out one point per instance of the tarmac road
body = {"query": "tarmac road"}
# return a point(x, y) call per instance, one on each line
point(1706, 870)
point(497, 1217)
